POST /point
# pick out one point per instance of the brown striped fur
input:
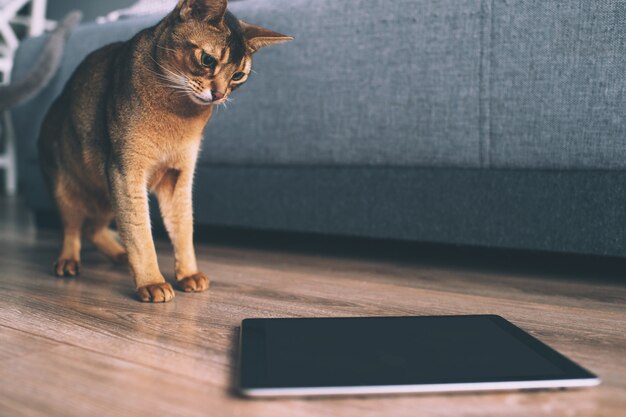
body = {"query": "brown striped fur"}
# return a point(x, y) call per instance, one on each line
point(129, 122)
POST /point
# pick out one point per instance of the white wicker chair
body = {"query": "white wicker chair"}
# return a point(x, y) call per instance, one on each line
point(35, 23)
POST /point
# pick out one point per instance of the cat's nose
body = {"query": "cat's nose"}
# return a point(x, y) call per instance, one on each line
point(217, 95)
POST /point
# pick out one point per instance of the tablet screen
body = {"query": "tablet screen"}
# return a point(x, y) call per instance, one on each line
point(375, 351)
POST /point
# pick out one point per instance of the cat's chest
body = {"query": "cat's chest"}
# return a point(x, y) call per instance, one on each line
point(179, 158)
point(174, 130)
point(170, 140)
point(166, 124)
point(179, 153)
point(167, 140)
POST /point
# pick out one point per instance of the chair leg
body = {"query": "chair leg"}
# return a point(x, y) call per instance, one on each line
point(8, 160)
point(37, 18)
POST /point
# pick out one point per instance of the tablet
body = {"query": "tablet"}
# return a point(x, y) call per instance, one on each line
point(388, 355)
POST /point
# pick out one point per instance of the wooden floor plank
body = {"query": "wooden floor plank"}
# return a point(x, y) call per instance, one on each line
point(16, 344)
point(86, 347)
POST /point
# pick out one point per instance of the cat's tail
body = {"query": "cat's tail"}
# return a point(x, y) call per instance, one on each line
point(44, 69)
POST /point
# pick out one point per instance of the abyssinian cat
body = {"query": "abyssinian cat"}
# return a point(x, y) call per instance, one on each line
point(129, 122)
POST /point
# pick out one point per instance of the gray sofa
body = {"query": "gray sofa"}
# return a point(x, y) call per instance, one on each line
point(472, 122)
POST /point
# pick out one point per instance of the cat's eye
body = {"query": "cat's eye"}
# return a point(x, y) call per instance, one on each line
point(208, 61)
point(238, 76)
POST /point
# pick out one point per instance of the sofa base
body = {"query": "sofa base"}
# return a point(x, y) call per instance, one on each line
point(565, 211)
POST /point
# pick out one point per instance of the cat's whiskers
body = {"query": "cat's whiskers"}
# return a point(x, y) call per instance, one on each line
point(162, 76)
point(176, 77)
point(166, 82)
point(174, 87)
point(167, 49)
point(177, 82)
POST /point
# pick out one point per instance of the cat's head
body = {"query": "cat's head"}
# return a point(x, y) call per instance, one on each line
point(207, 52)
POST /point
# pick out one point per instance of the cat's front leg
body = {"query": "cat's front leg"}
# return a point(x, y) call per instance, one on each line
point(130, 202)
point(174, 192)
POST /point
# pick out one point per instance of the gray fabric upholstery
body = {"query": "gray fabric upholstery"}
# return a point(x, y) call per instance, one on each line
point(558, 84)
point(373, 82)
point(569, 211)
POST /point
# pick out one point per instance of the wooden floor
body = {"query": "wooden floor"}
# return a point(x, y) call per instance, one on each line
point(85, 347)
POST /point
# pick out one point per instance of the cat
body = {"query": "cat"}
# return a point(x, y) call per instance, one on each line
point(47, 64)
point(129, 122)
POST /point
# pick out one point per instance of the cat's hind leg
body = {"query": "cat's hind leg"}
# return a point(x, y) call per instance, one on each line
point(104, 239)
point(68, 263)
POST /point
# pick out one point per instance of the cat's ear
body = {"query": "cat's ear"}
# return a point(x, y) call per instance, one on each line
point(203, 10)
point(257, 37)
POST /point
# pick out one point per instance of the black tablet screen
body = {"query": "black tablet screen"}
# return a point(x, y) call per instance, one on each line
point(393, 351)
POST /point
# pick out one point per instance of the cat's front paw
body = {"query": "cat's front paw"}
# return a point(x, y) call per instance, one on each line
point(66, 267)
point(197, 282)
point(156, 293)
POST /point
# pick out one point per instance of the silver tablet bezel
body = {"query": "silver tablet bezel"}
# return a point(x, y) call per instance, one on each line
point(413, 389)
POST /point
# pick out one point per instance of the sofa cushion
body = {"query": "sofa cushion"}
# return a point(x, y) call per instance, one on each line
point(366, 82)
point(558, 89)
